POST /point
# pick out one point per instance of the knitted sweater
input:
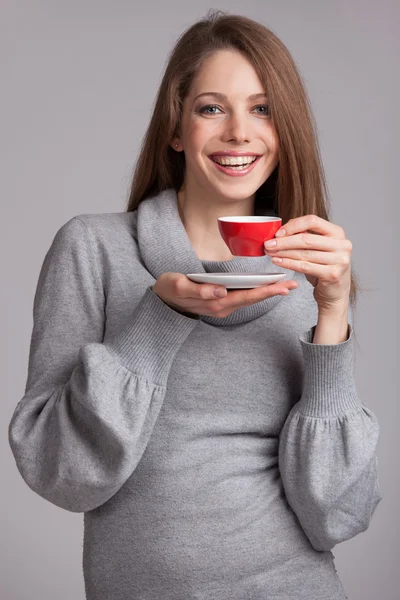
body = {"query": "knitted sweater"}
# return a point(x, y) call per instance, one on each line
point(213, 458)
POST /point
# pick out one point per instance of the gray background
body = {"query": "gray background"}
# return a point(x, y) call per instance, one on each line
point(79, 80)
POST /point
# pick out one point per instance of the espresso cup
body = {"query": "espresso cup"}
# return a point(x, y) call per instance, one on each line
point(245, 236)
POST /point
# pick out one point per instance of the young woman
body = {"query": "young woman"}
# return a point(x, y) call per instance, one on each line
point(214, 439)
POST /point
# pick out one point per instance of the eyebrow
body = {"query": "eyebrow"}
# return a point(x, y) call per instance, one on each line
point(220, 96)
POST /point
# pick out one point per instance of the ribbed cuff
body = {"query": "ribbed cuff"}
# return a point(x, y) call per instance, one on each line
point(148, 345)
point(329, 388)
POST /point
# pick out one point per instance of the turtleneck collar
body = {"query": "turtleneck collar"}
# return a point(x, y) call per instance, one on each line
point(165, 247)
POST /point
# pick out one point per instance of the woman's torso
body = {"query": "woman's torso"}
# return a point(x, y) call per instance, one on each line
point(204, 514)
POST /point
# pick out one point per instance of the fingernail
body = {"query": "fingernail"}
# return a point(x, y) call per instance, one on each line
point(270, 243)
point(280, 233)
point(219, 293)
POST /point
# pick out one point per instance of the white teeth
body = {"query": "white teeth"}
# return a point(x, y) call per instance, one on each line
point(239, 160)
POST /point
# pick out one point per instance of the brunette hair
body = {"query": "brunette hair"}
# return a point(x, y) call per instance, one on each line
point(297, 186)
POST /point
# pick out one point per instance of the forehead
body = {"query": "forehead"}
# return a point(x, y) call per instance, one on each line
point(229, 72)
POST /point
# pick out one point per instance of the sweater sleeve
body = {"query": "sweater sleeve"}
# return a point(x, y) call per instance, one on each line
point(327, 448)
point(89, 408)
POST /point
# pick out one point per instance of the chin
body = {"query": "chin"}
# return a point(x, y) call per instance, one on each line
point(235, 192)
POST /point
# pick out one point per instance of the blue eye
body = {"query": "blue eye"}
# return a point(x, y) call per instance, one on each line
point(205, 108)
point(265, 106)
point(209, 107)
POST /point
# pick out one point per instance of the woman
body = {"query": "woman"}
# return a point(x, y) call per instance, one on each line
point(214, 440)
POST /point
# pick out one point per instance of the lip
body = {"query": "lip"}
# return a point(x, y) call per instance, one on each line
point(233, 153)
point(231, 173)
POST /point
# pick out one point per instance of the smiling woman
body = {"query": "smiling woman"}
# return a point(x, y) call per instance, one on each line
point(235, 137)
point(214, 439)
point(231, 86)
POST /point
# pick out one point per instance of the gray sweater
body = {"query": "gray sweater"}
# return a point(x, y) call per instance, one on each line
point(214, 459)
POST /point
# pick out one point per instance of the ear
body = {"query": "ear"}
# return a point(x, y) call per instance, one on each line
point(176, 144)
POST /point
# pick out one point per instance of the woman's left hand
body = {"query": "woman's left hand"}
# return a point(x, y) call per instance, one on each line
point(319, 249)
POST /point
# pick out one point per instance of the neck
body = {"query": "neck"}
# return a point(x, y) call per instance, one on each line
point(200, 219)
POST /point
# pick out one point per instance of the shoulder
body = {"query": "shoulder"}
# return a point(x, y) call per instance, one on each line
point(105, 230)
point(105, 225)
point(103, 239)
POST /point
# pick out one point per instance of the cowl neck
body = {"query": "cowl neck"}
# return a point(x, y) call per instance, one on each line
point(165, 246)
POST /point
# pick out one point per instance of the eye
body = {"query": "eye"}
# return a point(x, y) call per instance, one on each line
point(265, 107)
point(210, 109)
point(205, 109)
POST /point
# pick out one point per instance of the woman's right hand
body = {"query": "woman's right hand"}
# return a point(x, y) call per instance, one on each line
point(186, 296)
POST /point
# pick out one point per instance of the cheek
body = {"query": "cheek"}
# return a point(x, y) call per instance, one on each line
point(192, 137)
point(273, 142)
point(199, 132)
point(275, 148)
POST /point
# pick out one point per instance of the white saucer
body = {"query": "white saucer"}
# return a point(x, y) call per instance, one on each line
point(237, 281)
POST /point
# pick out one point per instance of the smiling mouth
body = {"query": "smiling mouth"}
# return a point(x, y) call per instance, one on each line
point(234, 163)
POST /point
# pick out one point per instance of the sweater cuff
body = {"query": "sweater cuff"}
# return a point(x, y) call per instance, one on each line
point(329, 388)
point(154, 335)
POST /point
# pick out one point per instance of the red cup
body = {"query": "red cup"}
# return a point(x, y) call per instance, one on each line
point(245, 236)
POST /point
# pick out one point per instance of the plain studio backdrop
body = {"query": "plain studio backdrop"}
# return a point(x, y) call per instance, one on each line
point(79, 80)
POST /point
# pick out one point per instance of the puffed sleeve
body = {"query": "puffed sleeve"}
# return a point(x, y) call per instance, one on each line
point(89, 407)
point(327, 448)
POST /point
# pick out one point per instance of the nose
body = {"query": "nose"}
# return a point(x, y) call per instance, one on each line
point(236, 129)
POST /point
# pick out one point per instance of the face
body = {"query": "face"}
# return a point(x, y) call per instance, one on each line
point(233, 123)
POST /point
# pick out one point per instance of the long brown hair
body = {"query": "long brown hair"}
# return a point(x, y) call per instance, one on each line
point(297, 186)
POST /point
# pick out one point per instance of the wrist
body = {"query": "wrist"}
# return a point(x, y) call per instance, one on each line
point(174, 307)
point(335, 311)
point(332, 326)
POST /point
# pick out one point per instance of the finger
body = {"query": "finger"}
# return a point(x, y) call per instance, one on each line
point(202, 291)
point(330, 273)
point(187, 289)
point(205, 291)
point(238, 298)
point(310, 223)
point(313, 256)
point(309, 240)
